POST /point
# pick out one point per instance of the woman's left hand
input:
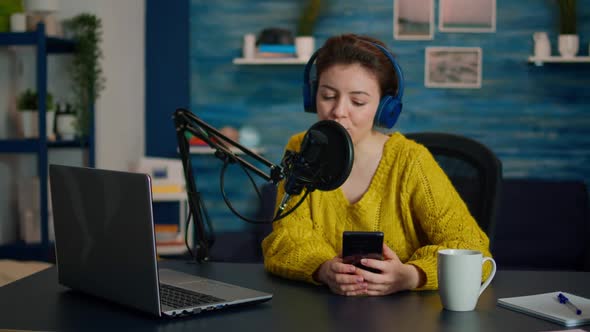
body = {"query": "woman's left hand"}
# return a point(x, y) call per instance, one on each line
point(395, 276)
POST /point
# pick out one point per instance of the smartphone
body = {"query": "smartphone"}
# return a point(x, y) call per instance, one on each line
point(358, 245)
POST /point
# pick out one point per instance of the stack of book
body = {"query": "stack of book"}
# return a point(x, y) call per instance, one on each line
point(276, 51)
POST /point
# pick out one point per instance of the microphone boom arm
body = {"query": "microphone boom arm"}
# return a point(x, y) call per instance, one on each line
point(185, 121)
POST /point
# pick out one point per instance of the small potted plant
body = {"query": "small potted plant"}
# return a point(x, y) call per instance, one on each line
point(86, 70)
point(28, 105)
point(305, 42)
point(568, 39)
point(66, 120)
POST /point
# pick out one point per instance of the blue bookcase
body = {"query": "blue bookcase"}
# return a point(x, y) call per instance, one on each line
point(40, 146)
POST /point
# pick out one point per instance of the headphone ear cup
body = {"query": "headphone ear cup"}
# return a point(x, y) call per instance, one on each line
point(309, 96)
point(388, 111)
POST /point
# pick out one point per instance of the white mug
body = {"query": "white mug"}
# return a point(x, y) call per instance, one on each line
point(459, 278)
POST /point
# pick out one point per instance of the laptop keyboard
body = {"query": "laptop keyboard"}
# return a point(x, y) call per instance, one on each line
point(182, 298)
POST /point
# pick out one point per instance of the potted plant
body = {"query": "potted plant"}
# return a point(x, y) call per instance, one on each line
point(65, 122)
point(305, 42)
point(86, 70)
point(28, 105)
point(568, 39)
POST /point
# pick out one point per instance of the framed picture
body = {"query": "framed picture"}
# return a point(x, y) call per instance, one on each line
point(467, 16)
point(453, 67)
point(413, 19)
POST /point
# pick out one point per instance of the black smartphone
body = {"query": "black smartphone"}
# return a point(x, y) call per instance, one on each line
point(359, 245)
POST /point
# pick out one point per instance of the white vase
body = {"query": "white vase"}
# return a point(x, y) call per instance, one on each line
point(249, 46)
point(304, 46)
point(30, 121)
point(18, 22)
point(568, 45)
point(542, 45)
point(66, 126)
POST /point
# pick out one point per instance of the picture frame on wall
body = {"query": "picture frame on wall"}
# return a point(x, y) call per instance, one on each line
point(413, 19)
point(453, 67)
point(467, 16)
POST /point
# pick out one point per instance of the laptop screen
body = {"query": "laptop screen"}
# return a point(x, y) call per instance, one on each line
point(104, 235)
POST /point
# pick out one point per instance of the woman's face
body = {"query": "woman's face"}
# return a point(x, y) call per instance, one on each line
point(349, 94)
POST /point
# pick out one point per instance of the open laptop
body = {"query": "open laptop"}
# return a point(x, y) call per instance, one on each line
point(105, 246)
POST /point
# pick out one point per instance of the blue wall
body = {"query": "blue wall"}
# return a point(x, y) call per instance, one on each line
point(535, 118)
point(167, 72)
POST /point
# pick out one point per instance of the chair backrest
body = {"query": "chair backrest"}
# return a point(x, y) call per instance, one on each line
point(474, 170)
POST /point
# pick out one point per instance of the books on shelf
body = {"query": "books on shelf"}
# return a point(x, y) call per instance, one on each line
point(276, 48)
point(275, 51)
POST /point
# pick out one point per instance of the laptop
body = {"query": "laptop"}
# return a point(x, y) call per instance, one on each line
point(105, 246)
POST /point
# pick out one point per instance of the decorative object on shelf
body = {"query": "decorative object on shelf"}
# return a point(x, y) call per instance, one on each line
point(41, 6)
point(275, 43)
point(305, 42)
point(249, 46)
point(65, 122)
point(29, 211)
point(28, 105)
point(249, 137)
point(18, 22)
point(42, 11)
point(230, 132)
point(542, 45)
point(86, 70)
point(569, 42)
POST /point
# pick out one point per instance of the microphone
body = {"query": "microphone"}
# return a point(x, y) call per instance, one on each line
point(324, 161)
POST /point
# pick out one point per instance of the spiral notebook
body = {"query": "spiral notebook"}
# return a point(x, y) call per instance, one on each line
point(547, 306)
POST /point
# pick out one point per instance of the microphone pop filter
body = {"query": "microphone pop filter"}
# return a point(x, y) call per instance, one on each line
point(337, 156)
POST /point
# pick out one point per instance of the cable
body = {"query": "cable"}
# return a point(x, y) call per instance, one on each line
point(249, 220)
point(188, 220)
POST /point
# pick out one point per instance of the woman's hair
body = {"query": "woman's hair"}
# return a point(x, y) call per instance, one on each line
point(350, 49)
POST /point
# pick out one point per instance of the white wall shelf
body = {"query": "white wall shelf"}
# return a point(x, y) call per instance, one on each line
point(269, 61)
point(558, 59)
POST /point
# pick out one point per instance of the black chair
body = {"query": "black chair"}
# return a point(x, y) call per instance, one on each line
point(474, 170)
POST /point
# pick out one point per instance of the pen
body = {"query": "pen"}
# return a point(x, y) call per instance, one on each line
point(564, 300)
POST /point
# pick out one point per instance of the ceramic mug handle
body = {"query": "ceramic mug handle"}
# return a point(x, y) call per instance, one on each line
point(491, 276)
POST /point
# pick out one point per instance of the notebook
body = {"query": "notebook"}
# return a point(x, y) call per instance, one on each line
point(547, 306)
point(105, 246)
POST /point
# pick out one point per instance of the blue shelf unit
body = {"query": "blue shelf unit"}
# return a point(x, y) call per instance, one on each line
point(44, 46)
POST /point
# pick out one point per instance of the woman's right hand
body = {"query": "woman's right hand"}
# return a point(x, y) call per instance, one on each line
point(341, 277)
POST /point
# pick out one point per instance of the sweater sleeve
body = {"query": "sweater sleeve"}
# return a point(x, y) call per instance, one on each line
point(295, 248)
point(440, 217)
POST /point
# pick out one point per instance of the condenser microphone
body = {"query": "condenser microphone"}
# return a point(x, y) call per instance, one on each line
point(323, 162)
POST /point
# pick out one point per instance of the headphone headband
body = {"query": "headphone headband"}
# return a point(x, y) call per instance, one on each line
point(390, 106)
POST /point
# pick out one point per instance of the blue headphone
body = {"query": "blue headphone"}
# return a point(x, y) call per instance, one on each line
point(389, 106)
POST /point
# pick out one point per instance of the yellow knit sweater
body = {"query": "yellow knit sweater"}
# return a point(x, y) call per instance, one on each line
point(410, 199)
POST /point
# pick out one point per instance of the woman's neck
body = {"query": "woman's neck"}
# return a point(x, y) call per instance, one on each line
point(370, 147)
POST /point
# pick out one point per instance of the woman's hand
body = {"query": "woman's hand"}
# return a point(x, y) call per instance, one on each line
point(341, 278)
point(395, 276)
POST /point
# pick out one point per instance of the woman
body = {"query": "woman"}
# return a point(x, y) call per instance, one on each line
point(395, 186)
